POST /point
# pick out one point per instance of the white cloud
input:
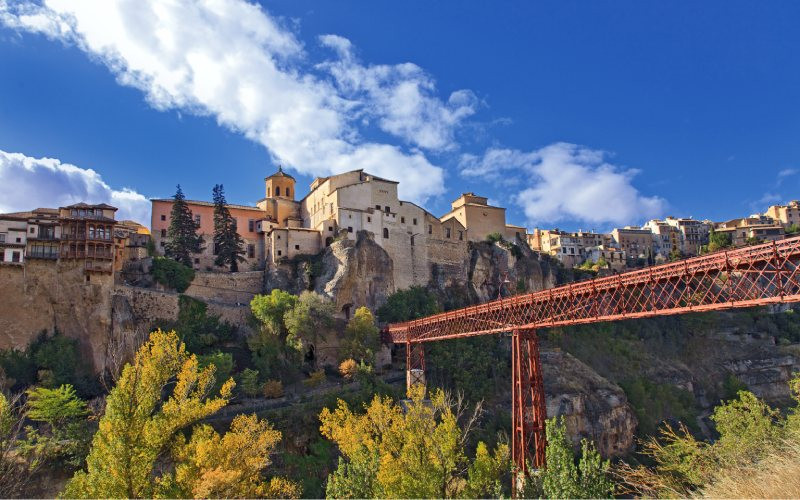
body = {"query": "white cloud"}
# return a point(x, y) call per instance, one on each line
point(566, 182)
point(401, 97)
point(231, 60)
point(30, 183)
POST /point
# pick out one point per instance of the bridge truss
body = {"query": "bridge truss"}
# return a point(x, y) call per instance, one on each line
point(757, 275)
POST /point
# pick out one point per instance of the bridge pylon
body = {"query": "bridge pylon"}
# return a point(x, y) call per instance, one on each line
point(415, 364)
point(528, 408)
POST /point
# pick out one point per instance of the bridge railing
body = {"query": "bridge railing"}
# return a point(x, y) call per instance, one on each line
point(755, 275)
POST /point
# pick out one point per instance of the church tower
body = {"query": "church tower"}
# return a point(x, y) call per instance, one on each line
point(280, 185)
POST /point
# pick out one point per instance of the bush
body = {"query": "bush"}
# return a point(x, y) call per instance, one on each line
point(273, 389)
point(412, 303)
point(248, 382)
point(494, 238)
point(223, 364)
point(195, 327)
point(172, 274)
point(348, 368)
point(315, 379)
point(50, 361)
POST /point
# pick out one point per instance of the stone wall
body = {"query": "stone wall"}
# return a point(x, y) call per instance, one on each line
point(229, 288)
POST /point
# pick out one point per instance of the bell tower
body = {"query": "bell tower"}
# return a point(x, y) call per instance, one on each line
point(280, 185)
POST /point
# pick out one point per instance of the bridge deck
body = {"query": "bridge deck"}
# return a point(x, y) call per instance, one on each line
point(744, 277)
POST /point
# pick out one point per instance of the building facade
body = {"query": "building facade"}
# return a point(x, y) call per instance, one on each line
point(83, 234)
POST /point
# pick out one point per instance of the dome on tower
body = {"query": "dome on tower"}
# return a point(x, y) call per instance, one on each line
point(280, 173)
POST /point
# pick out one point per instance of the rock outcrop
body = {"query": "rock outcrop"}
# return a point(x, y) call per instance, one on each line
point(593, 408)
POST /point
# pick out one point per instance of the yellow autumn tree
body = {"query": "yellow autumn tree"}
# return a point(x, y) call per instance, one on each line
point(228, 466)
point(411, 452)
point(161, 393)
point(138, 425)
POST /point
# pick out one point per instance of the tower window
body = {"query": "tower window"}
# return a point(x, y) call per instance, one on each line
point(268, 192)
point(414, 221)
point(288, 192)
point(430, 228)
point(277, 191)
point(385, 232)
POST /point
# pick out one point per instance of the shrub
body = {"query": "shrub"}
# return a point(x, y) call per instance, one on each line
point(315, 379)
point(248, 382)
point(172, 274)
point(494, 237)
point(404, 305)
point(348, 368)
point(273, 389)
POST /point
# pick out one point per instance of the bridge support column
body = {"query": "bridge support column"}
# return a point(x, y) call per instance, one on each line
point(528, 410)
point(415, 364)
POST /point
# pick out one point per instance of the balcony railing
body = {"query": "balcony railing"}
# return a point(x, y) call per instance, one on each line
point(40, 236)
point(41, 255)
point(83, 237)
point(93, 265)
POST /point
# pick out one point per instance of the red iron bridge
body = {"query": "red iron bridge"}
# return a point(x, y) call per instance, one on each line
point(751, 276)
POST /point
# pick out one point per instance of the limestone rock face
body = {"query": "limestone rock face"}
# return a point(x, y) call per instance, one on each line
point(490, 268)
point(356, 273)
point(49, 296)
point(593, 408)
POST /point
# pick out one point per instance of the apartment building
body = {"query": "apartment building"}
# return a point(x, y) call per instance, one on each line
point(757, 227)
point(693, 233)
point(81, 233)
point(637, 243)
point(786, 215)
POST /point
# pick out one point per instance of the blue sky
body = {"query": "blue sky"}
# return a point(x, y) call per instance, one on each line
point(571, 114)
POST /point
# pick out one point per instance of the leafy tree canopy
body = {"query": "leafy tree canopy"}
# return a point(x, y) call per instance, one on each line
point(404, 305)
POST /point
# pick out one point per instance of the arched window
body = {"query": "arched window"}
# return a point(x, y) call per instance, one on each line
point(385, 232)
point(288, 192)
point(277, 191)
point(268, 192)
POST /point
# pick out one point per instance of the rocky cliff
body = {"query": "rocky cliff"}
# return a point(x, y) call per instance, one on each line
point(593, 408)
point(49, 296)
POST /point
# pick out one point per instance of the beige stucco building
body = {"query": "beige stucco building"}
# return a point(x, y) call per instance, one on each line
point(480, 219)
point(786, 215)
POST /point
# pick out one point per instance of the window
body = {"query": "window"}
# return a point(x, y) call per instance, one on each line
point(288, 192)
point(216, 249)
point(279, 236)
point(369, 219)
point(251, 250)
point(430, 228)
point(251, 224)
point(14, 256)
point(387, 209)
point(32, 230)
point(297, 247)
point(402, 220)
point(385, 232)
point(349, 229)
point(91, 232)
point(196, 260)
point(197, 219)
point(2, 238)
point(268, 192)
point(330, 228)
point(461, 235)
point(377, 207)
point(163, 233)
point(412, 240)
point(161, 243)
point(163, 217)
point(279, 253)
point(447, 232)
point(414, 221)
point(277, 191)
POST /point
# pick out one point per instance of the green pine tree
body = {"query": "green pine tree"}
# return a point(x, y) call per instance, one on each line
point(182, 233)
point(227, 241)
